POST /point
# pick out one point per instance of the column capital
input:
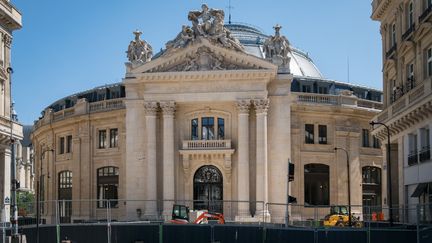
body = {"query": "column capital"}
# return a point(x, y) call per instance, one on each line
point(261, 105)
point(7, 39)
point(243, 106)
point(151, 108)
point(168, 107)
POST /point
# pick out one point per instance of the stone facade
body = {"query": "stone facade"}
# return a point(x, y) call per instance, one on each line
point(407, 70)
point(10, 20)
point(205, 109)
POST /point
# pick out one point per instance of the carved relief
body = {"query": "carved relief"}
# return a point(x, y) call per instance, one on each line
point(261, 106)
point(7, 39)
point(204, 59)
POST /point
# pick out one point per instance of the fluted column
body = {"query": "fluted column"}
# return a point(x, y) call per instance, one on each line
point(261, 107)
point(243, 157)
point(151, 109)
point(168, 110)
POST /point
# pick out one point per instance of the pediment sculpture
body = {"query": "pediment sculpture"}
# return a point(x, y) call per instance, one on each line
point(203, 59)
point(207, 23)
point(276, 49)
point(139, 51)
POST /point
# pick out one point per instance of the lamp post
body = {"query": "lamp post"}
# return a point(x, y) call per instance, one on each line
point(349, 184)
point(389, 181)
point(38, 192)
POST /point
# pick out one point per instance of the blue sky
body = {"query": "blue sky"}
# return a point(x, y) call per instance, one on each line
point(70, 46)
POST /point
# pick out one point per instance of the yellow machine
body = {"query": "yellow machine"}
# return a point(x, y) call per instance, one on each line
point(339, 217)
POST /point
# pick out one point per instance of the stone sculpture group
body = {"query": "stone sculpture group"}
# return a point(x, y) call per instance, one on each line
point(207, 23)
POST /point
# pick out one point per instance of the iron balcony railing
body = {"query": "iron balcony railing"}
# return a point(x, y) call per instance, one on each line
point(391, 51)
point(412, 158)
point(409, 31)
point(424, 154)
point(425, 14)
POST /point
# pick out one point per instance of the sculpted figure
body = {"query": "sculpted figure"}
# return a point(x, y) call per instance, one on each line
point(277, 48)
point(183, 38)
point(139, 51)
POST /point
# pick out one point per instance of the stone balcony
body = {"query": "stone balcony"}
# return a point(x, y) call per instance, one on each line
point(207, 147)
point(206, 144)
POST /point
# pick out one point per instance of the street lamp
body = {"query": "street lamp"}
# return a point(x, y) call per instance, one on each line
point(389, 181)
point(349, 185)
point(38, 192)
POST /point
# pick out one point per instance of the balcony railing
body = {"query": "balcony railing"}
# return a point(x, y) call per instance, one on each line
point(412, 158)
point(424, 154)
point(206, 144)
point(425, 14)
point(409, 31)
point(391, 51)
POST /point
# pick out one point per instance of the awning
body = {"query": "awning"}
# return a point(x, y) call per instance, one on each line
point(420, 189)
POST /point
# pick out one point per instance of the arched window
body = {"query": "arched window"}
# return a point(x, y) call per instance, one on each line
point(316, 184)
point(107, 181)
point(65, 195)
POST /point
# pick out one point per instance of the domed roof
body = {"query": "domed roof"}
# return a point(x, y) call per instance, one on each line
point(252, 38)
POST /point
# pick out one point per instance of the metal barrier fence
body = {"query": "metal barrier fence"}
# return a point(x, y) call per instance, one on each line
point(108, 213)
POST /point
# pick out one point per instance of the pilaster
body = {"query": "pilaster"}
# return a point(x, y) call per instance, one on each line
point(168, 111)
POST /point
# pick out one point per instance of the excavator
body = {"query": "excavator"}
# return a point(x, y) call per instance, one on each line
point(182, 215)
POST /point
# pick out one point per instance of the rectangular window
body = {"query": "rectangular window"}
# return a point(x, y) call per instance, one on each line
point(322, 134)
point(194, 129)
point(393, 35)
point(69, 144)
point(322, 90)
point(429, 62)
point(309, 133)
point(306, 89)
point(365, 136)
point(410, 15)
point(62, 145)
point(428, 4)
point(376, 142)
point(108, 182)
point(412, 146)
point(221, 128)
point(102, 139)
point(113, 138)
point(424, 152)
point(207, 127)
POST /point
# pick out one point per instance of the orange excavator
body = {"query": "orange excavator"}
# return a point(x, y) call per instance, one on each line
point(182, 215)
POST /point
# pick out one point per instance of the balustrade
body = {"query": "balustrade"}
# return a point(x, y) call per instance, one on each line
point(206, 144)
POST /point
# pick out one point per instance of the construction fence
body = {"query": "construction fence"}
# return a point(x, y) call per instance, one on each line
point(109, 218)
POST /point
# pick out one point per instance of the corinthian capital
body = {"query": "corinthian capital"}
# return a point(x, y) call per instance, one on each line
point(151, 108)
point(243, 106)
point(261, 106)
point(168, 107)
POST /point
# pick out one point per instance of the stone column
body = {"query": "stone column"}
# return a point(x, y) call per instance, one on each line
point(261, 107)
point(168, 110)
point(151, 109)
point(243, 158)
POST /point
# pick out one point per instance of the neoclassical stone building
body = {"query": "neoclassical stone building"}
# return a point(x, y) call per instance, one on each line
point(407, 80)
point(10, 20)
point(216, 116)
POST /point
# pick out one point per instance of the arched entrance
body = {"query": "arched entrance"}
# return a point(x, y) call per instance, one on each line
point(208, 189)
